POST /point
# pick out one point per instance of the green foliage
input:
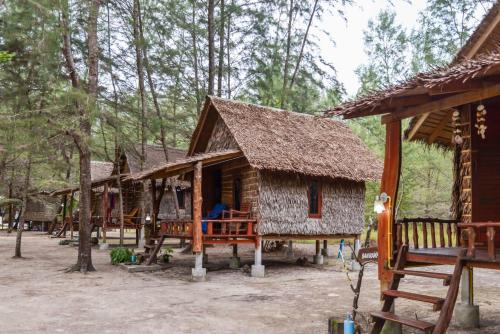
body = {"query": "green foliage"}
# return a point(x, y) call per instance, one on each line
point(120, 255)
point(166, 254)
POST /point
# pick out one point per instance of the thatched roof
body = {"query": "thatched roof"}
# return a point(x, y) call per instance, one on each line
point(155, 157)
point(424, 86)
point(485, 38)
point(100, 169)
point(284, 141)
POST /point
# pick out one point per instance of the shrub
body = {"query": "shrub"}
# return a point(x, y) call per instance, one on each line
point(120, 255)
point(167, 254)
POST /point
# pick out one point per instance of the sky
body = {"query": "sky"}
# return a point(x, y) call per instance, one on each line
point(348, 53)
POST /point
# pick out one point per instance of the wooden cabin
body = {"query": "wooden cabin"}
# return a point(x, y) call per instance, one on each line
point(278, 174)
point(130, 163)
point(457, 108)
point(105, 193)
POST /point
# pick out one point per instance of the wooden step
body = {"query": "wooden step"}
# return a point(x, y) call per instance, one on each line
point(436, 301)
point(445, 277)
point(425, 326)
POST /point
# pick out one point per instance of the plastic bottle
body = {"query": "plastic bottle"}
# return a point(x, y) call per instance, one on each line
point(348, 324)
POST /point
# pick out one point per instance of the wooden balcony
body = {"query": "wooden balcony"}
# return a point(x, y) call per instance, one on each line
point(438, 241)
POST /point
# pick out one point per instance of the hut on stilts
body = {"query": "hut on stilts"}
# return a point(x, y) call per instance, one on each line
point(456, 108)
point(268, 174)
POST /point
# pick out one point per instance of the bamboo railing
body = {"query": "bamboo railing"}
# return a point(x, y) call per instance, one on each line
point(427, 233)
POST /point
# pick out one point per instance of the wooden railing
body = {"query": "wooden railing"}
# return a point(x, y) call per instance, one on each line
point(427, 233)
point(215, 228)
point(470, 233)
point(180, 228)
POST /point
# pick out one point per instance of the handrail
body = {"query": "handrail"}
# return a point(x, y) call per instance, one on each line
point(420, 229)
point(470, 234)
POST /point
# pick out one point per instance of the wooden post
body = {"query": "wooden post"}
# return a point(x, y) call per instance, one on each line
point(197, 201)
point(389, 185)
point(71, 215)
point(104, 212)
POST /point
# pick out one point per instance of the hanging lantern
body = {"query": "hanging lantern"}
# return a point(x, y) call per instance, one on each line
point(457, 128)
point(481, 121)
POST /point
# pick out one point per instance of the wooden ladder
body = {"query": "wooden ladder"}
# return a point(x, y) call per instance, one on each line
point(445, 306)
point(152, 248)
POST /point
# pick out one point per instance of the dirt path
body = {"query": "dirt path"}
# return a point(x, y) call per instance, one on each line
point(38, 297)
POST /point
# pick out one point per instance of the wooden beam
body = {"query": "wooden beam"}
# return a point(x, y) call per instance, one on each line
point(444, 103)
point(71, 214)
point(440, 127)
point(197, 201)
point(389, 185)
point(104, 212)
point(418, 125)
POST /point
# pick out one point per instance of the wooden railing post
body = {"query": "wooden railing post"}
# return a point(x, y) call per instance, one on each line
point(490, 234)
point(197, 208)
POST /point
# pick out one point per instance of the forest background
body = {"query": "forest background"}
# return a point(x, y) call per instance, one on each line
point(81, 78)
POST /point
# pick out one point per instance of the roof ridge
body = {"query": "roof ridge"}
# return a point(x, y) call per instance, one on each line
point(274, 109)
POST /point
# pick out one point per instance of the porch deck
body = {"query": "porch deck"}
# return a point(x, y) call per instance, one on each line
point(449, 255)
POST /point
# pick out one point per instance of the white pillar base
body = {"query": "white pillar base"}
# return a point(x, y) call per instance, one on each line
point(198, 273)
point(103, 246)
point(289, 250)
point(258, 270)
point(142, 241)
point(318, 259)
point(466, 316)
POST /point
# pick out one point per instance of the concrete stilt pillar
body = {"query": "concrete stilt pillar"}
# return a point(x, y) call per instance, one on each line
point(198, 273)
point(234, 262)
point(392, 327)
point(141, 238)
point(289, 250)
point(466, 313)
point(325, 251)
point(258, 270)
point(318, 258)
point(205, 255)
point(357, 245)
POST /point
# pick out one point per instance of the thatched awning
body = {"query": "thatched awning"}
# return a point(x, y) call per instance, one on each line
point(485, 38)
point(183, 166)
point(95, 184)
point(284, 141)
point(430, 96)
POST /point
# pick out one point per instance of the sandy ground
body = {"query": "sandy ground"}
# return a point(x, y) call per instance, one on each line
point(38, 297)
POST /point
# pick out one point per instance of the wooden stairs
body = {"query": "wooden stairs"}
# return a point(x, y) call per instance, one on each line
point(444, 305)
point(152, 248)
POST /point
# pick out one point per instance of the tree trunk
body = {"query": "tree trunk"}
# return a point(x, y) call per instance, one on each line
point(163, 133)
point(228, 55)
point(195, 59)
point(117, 146)
point(140, 75)
point(211, 47)
point(304, 40)
point(287, 57)
point(11, 210)
point(81, 138)
point(20, 226)
point(221, 49)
